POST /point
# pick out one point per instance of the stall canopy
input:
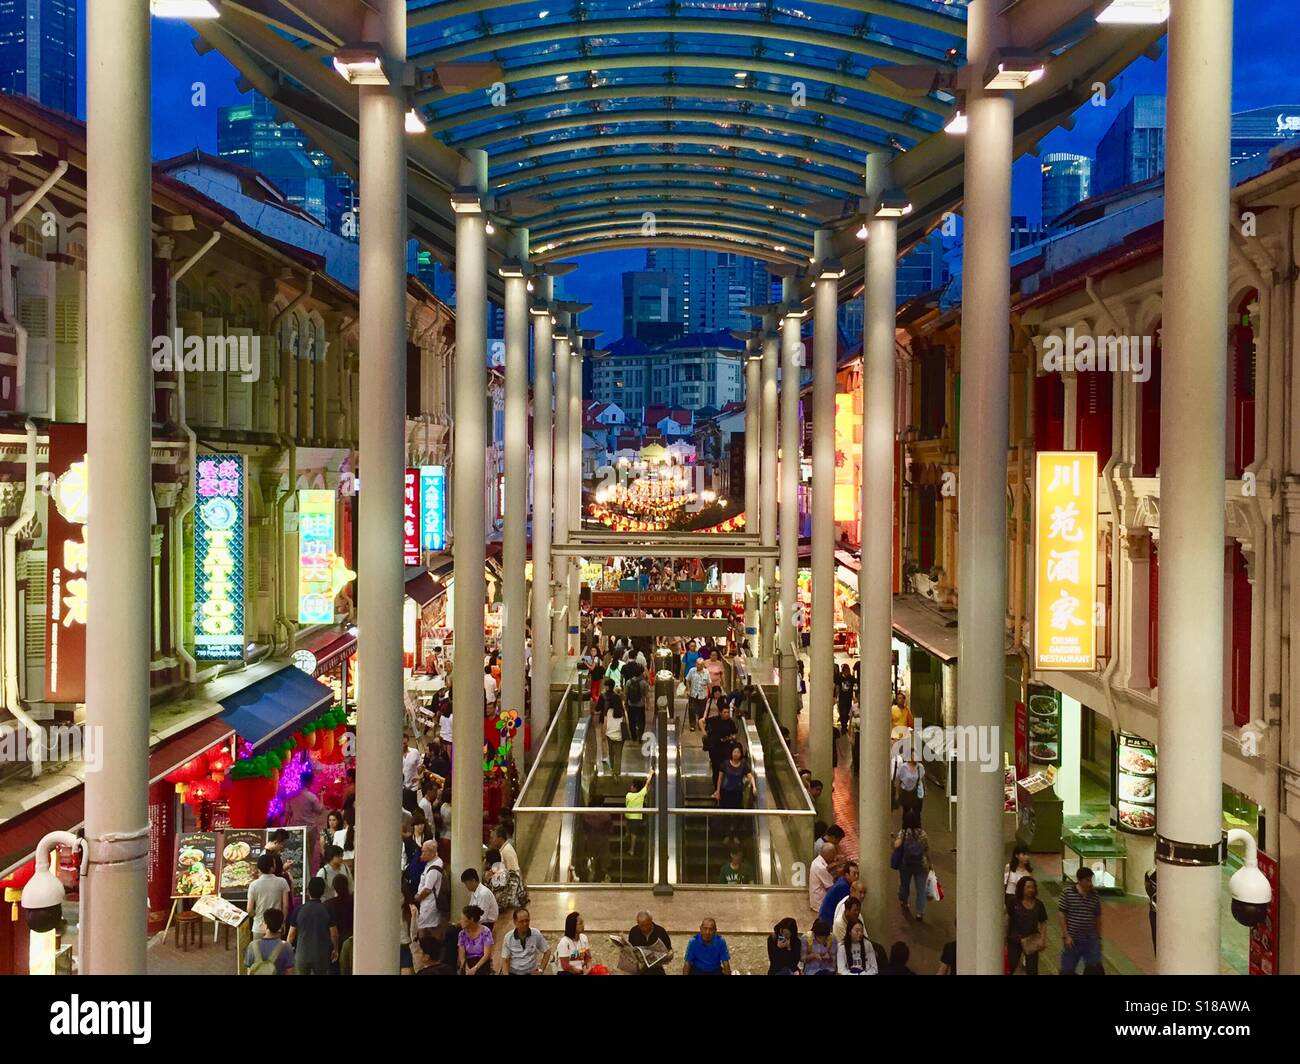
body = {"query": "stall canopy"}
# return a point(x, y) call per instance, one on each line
point(421, 587)
point(19, 836)
point(269, 710)
point(328, 648)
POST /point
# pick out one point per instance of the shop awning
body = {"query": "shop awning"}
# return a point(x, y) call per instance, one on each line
point(926, 625)
point(269, 710)
point(328, 648)
point(421, 587)
point(19, 836)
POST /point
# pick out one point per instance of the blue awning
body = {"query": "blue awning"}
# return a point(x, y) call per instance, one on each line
point(270, 710)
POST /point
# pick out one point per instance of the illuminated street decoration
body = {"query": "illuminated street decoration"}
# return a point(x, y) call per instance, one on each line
point(848, 444)
point(322, 574)
point(65, 658)
point(1065, 592)
point(433, 507)
point(411, 518)
point(219, 558)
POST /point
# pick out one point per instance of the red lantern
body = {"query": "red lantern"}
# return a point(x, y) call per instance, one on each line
point(195, 769)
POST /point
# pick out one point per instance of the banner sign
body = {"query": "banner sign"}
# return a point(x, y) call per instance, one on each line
point(1065, 560)
point(65, 649)
point(433, 507)
point(411, 518)
point(316, 576)
point(219, 557)
point(661, 600)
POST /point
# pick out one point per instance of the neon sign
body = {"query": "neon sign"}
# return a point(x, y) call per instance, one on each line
point(411, 518)
point(322, 574)
point(433, 507)
point(219, 558)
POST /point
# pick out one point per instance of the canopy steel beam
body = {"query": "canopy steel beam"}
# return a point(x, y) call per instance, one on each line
point(728, 231)
point(679, 117)
point(708, 180)
point(625, 140)
point(670, 209)
point(649, 549)
point(660, 63)
point(716, 27)
point(727, 162)
point(561, 97)
point(602, 191)
point(567, 248)
point(954, 24)
point(666, 220)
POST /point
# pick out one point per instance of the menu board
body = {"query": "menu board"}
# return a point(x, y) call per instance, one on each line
point(1045, 728)
point(1010, 799)
point(294, 856)
point(195, 869)
point(239, 853)
point(1135, 784)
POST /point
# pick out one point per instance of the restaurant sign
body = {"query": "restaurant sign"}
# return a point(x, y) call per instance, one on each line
point(1065, 560)
point(65, 656)
point(219, 557)
point(411, 518)
point(320, 571)
point(661, 600)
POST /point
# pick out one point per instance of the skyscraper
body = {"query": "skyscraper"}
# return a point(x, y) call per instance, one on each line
point(250, 134)
point(1067, 180)
point(38, 51)
point(1133, 148)
point(652, 305)
point(715, 286)
point(1261, 129)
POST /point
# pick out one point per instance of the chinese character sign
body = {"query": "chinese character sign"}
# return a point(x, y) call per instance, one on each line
point(219, 557)
point(433, 507)
point(1065, 591)
point(316, 558)
point(411, 518)
point(65, 653)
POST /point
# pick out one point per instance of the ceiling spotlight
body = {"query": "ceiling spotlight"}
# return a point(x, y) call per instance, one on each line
point(862, 233)
point(185, 8)
point(414, 123)
point(542, 14)
point(957, 124)
point(489, 228)
point(1016, 69)
point(361, 64)
point(893, 204)
point(1135, 13)
point(779, 247)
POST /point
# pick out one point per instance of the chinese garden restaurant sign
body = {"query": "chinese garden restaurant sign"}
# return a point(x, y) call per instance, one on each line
point(219, 557)
point(1065, 549)
point(411, 518)
point(65, 651)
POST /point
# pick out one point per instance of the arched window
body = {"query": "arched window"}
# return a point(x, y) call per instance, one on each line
point(310, 353)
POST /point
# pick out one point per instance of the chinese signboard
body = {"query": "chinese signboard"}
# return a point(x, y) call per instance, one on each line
point(1065, 591)
point(219, 557)
point(661, 600)
point(433, 507)
point(316, 558)
point(411, 518)
point(65, 653)
point(848, 448)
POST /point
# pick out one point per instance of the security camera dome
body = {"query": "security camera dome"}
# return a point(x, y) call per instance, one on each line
point(1252, 895)
point(42, 900)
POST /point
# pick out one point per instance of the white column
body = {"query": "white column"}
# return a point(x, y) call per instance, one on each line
point(514, 545)
point(469, 548)
point(981, 496)
point(542, 507)
point(1192, 448)
point(381, 578)
point(767, 488)
point(821, 659)
point(788, 516)
point(119, 213)
point(753, 388)
point(560, 573)
point(875, 572)
point(574, 647)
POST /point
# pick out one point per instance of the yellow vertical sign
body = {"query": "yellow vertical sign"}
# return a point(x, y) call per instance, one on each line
point(1065, 560)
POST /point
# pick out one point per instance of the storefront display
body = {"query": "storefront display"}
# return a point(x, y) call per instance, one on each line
point(1134, 783)
point(1045, 728)
point(1039, 818)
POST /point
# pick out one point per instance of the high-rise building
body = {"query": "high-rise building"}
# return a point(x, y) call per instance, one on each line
point(1067, 180)
point(250, 134)
point(921, 270)
point(1133, 148)
point(715, 286)
point(1261, 129)
point(38, 51)
point(652, 306)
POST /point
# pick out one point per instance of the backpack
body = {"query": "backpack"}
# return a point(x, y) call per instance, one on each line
point(913, 851)
point(442, 893)
point(636, 691)
point(266, 965)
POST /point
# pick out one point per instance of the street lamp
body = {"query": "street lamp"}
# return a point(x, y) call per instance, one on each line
point(957, 124)
point(414, 122)
point(185, 8)
point(1015, 69)
point(361, 64)
point(1134, 13)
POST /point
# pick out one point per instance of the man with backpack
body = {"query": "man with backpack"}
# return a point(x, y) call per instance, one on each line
point(270, 954)
point(434, 902)
point(637, 690)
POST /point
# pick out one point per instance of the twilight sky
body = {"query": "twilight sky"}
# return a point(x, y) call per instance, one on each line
point(1263, 74)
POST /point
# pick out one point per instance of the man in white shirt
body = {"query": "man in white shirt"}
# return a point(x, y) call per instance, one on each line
point(857, 891)
point(480, 895)
point(489, 688)
point(821, 876)
point(410, 765)
point(500, 841)
point(429, 921)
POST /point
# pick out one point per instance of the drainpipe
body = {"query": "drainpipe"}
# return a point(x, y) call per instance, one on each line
point(187, 503)
point(8, 297)
point(12, 694)
point(290, 449)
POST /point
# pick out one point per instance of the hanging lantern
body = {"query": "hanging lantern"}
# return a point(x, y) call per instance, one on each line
point(194, 769)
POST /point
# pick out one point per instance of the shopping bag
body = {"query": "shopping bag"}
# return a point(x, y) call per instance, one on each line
point(933, 888)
